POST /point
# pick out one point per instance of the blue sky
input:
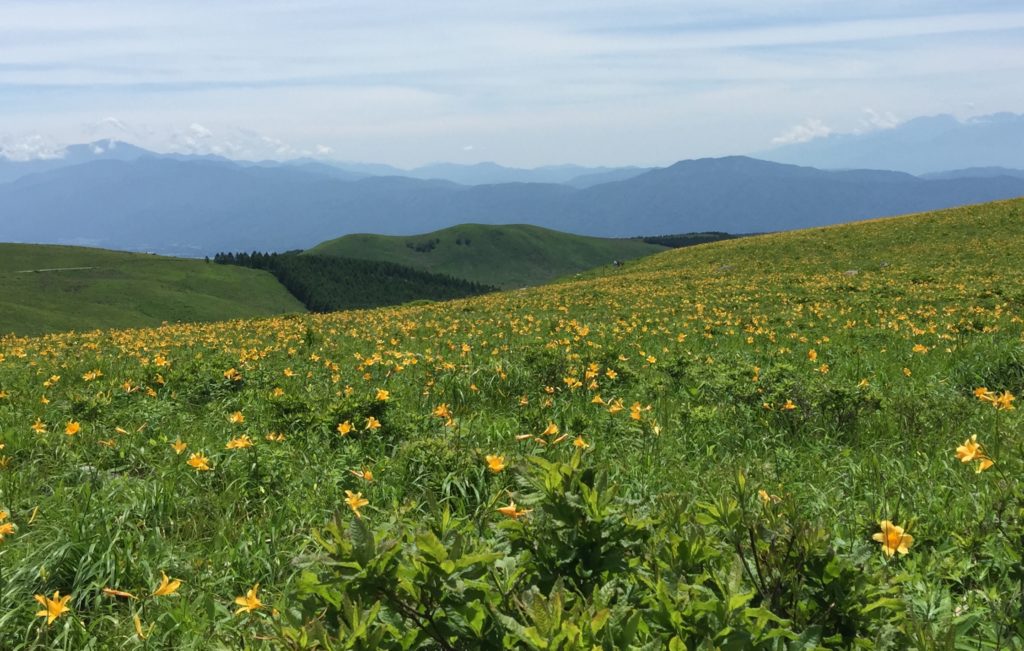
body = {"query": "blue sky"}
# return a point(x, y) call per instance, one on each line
point(522, 83)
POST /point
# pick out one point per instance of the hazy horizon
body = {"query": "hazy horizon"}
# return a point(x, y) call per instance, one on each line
point(521, 84)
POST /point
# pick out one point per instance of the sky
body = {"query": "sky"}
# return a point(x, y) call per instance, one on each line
point(522, 82)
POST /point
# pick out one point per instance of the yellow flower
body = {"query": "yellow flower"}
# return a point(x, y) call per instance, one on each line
point(39, 427)
point(345, 428)
point(53, 608)
point(982, 393)
point(372, 423)
point(970, 450)
point(551, 430)
point(233, 375)
point(812, 355)
point(789, 406)
point(89, 376)
point(511, 511)
point(365, 474)
point(597, 400)
point(355, 502)
point(919, 348)
point(495, 462)
point(236, 418)
point(767, 499)
point(616, 406)
point(274, 437)
point(383, 395)
point(893, 538)
point(442, 411)
point(72, 428)
point(249, 602)
point(634, 411)
point(580, 443)
point(138, 626)
point(1003, 400)
point(167, 586)
point(113, 592)
point(239, 443)
point(178, 445)
point(6, 528)
point(198, 461)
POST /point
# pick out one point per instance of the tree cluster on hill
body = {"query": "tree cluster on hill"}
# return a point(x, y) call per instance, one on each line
point(687, 239)
point(328, 283)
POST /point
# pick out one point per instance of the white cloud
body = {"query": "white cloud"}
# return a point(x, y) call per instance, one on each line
point(323, 150)
point(199, 131)
point(873, 120)
point(809, 129)
point(34, 147)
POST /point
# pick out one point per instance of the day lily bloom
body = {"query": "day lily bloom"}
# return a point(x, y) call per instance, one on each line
point(237, 418)
point(345, 428)
point(511, 511)
point(495, 462)
point(249, 602)
point(893, 538)
point(383, 395)
point(72, 428)
point(178, 445)
point(198, 461)
point(355, 502)
point(6, 528)
point(239, 443)
point(52, 608)
point(372, 423)
point(167, 586)
point(442, 411)
point(1003, 400)
point(551, 430)
point(112, 592)
point(789, 406)
point(971, 450)
point(39, 427)
point(580, 443)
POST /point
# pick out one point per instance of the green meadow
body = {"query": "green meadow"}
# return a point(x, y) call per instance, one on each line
point(803, 440)
point(508, 257)
point(47, 288)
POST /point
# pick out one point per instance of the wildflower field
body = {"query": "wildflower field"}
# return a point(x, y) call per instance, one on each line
point(792, 441)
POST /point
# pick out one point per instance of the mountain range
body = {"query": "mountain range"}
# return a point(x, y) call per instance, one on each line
point(118, 196)
point(923, 145)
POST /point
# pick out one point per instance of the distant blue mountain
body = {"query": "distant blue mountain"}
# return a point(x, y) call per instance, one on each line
point(199, 206)
point(919, 146)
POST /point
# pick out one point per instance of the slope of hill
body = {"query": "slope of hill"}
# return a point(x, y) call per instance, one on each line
point(804, 440)
point(52, 288)
point(502, 256)
point(197, 207)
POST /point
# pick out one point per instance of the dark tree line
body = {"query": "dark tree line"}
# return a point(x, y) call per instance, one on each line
point(687, 239)
point(328, 283)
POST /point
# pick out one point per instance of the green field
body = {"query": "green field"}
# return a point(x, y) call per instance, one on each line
point(763, 443)
point(47, 288)
point(508, 257)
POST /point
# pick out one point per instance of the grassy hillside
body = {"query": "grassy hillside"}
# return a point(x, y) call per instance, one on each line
point(502, 256)
point(763, 443)
point(73, 288)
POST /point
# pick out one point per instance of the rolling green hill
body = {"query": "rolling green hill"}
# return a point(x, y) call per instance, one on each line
point(50, 288)
point(502, 256)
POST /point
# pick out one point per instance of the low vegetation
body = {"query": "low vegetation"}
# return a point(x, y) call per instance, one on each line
point(508, 257)
point(802, 440)
point(52, 288)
